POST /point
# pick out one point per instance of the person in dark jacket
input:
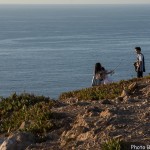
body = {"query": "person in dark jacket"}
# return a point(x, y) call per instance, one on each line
point(140, 63)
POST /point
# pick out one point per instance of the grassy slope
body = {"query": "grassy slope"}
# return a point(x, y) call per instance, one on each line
point(109, 91)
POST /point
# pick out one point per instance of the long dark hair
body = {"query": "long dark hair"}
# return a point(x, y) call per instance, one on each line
point(98, 68)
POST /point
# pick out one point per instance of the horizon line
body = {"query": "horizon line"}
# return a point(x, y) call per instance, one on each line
point(74, 3)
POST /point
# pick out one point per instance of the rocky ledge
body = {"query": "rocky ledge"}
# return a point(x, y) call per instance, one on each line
point(89, 125)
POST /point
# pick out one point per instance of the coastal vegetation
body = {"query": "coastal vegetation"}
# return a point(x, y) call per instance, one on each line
point(109, 91)
point(34, 110)
point(112, 144)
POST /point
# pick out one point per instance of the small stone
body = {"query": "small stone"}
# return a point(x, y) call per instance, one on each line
point(140, 132)
point(118, 137)
point(124, 93)
point(106, 101)
point(133, 86)
point(105, 114)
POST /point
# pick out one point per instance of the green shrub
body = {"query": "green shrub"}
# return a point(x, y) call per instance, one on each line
point(111, 144)
point(36, 110)
point(109, 91)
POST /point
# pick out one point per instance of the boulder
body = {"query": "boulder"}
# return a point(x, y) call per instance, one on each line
point(18, 141)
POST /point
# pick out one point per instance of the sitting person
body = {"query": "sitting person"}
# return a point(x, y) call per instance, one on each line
point(100, 75)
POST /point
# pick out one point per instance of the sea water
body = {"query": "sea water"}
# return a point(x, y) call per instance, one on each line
point(50, 49)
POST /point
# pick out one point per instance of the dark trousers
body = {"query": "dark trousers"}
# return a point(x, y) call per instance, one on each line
point(139, 74)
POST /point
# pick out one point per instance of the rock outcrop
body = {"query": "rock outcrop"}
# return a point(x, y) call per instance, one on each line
point(87, 125)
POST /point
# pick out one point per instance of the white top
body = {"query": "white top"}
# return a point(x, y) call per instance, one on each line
point(140, 59)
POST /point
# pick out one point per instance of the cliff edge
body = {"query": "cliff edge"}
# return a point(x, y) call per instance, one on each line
point(122, 122)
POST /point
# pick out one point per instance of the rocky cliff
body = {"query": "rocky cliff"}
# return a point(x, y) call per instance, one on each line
point(119, 123)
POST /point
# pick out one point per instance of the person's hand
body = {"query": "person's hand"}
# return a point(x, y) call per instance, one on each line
point(112, 72)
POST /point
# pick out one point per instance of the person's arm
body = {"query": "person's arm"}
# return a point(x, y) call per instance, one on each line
point(110, 72)
point(93, 81)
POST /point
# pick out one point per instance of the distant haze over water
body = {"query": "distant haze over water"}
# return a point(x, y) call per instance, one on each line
point(50, 49)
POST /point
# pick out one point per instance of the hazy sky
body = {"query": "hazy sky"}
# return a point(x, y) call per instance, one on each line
point(73, 1)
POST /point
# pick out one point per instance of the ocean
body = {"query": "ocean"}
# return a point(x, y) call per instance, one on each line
point(50, 49)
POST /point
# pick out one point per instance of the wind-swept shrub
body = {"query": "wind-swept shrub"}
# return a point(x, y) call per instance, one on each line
point(35, 110)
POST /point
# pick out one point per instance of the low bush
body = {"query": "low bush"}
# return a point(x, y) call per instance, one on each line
point(111, 144)
point(35, 111)
point(109, 91)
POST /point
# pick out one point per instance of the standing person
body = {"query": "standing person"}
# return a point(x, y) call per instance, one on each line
point(100, 75)
point(140, 63)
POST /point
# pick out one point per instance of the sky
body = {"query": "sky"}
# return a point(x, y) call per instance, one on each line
point(74, 1)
